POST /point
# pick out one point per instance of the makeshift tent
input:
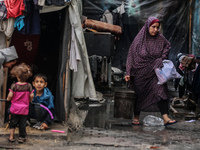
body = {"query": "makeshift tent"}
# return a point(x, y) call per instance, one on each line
point(130, 15)
point(77, 84)
point(68, 83)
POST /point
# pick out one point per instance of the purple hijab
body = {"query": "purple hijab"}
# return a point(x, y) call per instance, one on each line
point(145, 54)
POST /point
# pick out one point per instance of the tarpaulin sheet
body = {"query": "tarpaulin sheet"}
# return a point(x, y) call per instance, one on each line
point(173, 14)
point(82, 81)
point(196, 29)
point(79, 84)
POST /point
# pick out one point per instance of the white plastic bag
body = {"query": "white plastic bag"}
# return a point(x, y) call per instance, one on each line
point(151, 120)
point(167, 72)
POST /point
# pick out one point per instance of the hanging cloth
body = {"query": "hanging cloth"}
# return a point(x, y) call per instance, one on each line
point(15, 8)
point(74, 53)
point(7, 26)
point(3, 10)
point(107, 17)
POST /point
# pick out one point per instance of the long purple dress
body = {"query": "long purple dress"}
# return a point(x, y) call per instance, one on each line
point(145, 54)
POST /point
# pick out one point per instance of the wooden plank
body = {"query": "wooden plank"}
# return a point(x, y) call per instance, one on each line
point(190, 30)
point(5, 78)
point(3, 104)
point(67, 84)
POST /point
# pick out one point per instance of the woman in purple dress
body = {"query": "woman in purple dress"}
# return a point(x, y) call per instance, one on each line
point(147, 51)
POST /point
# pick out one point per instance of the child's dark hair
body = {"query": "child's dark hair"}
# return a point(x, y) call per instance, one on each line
point(40, 75)
point(21, 71)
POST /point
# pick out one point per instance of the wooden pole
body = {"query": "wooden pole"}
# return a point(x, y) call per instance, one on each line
point(66, 90)
point(190, 29)
point(66, 86)
point(5, 78)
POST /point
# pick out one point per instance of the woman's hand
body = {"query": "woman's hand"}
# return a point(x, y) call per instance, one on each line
point(127, 78)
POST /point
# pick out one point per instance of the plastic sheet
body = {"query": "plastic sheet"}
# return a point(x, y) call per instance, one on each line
point(173, 14)
point(196, 29)
point(152, 121)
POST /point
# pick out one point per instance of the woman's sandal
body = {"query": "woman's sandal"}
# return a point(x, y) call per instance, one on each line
point(170, 122)
point(135, 122)
point(11, 140)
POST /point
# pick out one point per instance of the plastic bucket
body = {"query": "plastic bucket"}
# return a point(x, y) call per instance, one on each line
point(124, 104)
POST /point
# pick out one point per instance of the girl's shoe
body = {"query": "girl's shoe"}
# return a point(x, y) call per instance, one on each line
point(21, 140)
point(11, 140)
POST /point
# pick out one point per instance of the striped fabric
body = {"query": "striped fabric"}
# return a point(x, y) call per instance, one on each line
point(145, 54)
point(3, 10)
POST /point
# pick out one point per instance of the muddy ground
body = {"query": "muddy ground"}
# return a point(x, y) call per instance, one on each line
point(102, 131)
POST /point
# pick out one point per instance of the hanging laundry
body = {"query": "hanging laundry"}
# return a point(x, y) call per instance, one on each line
point(107, 17)
point(104, 70)
point(74, 53)
point(3, 10)
point(121, 9)
point(39, 4)
point(14, 8)
point(19, 22)
point(95, 60)
point(31, 20)
point(7, 26)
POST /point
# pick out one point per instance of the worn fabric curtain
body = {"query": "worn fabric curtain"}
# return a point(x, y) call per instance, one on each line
point(82, 82)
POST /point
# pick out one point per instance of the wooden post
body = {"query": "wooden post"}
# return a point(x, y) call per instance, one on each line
point(190, 29)
point(5, 78)
point(5, 72)
point(67, 92)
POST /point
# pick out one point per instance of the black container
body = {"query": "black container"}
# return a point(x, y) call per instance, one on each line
point(100, 43)
point(124, 104)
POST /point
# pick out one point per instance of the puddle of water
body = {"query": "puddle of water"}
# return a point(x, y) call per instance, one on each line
point(154, 129)
point(97, 116)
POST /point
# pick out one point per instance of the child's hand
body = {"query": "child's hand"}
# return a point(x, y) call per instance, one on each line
point(44, 126)
point(10, 96)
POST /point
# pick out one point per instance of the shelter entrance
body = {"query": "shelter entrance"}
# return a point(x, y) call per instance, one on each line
point(40, 51)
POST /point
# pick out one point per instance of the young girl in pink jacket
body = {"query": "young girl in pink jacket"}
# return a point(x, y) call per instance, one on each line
point(20, 94)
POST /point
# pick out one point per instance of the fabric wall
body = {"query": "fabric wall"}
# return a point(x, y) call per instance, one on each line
point(82, 81)
point(26, 47)
point(60, 106)
point(79, 84)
